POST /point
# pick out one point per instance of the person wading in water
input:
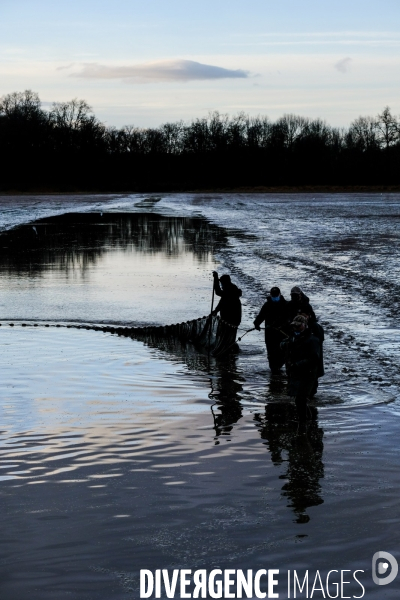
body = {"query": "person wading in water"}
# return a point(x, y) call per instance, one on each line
point(318, 331)
point(275, 314)
point(229, 307)
point(302, 356)
point(299, 303)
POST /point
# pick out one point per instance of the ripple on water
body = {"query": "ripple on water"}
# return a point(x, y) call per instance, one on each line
point(146, 466)
point(88, 400)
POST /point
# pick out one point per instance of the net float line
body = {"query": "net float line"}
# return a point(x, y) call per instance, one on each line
point(210, 333)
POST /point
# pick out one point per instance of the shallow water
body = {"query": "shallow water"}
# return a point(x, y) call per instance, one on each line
point(117, 456)
point(95, 267)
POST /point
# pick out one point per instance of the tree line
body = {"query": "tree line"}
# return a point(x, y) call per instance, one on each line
point(67, 148)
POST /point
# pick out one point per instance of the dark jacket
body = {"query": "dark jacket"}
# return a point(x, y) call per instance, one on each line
point(303, 306)
point(303, 354)
point(318, 331)
point(229, 307)
point(275, 315)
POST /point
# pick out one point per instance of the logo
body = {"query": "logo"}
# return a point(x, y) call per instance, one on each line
point(384, 563)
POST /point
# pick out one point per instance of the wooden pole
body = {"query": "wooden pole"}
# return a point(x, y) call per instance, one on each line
point(212, 308)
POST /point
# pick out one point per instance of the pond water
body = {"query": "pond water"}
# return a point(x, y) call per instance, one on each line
point(117, 456)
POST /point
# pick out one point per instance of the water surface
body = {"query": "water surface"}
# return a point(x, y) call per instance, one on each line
point(117, 456)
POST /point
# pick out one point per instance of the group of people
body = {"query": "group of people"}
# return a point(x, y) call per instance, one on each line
point(293, 336)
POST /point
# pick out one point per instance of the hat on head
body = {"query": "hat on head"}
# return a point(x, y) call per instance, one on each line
point(274, 292)
point(305, 314)
point(225, 278)
point(296, 290)
point(299, 320)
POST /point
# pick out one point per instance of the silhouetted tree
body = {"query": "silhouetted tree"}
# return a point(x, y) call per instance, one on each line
point(388, 128)
point(74, 125)
point(21, 105)
point(364, 133)
point(67, 147)
point(293, 128)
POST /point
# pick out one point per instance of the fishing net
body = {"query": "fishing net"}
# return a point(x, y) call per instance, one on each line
point(208, 333)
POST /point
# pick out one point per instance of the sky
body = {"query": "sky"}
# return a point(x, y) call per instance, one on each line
point(147, 62)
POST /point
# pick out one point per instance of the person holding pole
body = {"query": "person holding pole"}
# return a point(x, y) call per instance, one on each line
point(229, 306)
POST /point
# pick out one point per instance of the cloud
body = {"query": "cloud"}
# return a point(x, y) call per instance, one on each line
point(160, 71)
point(65, 67)
point(343, 64)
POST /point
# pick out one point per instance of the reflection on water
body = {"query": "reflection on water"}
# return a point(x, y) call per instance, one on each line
point(225, 379)
point(78, 240)
point(84, 403)
point(302, 453)
point(279, 425)
point(117, 456)
point(78, 405)
point(111, 460)
point(126, 268)
point(226, 387)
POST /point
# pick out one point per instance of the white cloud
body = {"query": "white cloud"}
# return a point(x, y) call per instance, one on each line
point(159, 71)
point(343, 65)
point(65, 67)
point(308, 85)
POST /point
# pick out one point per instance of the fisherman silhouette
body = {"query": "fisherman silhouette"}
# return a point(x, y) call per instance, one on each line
point(229, 307)
point(299, 303)
point(275, 314)
point(302, 356)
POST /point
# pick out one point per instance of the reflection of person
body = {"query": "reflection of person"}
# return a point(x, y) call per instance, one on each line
point(303, 456)
point(226, 388)
point(302, 356)
point(305, 469)
point(275, 314)
point(229, 307)
point(299, 303)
